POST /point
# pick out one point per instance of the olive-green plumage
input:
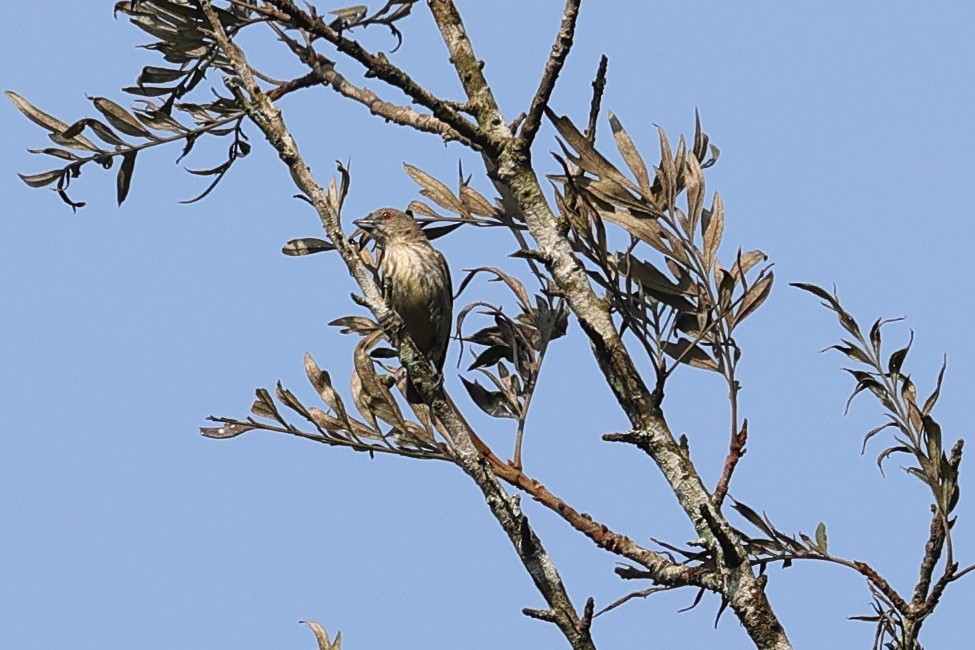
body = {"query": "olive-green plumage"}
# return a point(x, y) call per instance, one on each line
point(416, 278)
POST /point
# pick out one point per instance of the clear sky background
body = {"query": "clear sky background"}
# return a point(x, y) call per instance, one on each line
point(846, 132)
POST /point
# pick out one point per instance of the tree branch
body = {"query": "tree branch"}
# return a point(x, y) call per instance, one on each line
point(556, 59)
point(402, 115)
point(932, 553)
point(735, 452)
point(511, 169)
point(379, 66)
point(661, 570)
point(505, 508)
point(598, 86)
point(470, 70)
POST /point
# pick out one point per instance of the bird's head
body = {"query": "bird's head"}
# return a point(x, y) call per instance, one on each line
point(390, 224)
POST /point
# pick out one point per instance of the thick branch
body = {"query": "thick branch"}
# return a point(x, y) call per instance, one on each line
point(470, 70)
point(505, 509)
point(744, 592)
point(560, 51)
point(512, 170)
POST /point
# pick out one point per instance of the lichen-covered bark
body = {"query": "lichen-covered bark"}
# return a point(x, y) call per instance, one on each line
point(503, 506)
point(743, 590)
point(511, 168)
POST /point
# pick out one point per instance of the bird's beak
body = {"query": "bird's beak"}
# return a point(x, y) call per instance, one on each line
point(366, 224)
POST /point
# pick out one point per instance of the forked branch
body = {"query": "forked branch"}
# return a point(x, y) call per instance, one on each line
point(505, 509)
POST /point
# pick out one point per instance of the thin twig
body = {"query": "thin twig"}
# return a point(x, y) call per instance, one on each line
point(402, 115)
point(881, 585)
point(598, 87)
point(556, 59)
point(378, 66)
point(735, 452)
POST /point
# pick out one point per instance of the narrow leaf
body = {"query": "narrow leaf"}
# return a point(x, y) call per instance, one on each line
point(225, 431)
point(124, 179)
point(896, 359)
point(818, 292)
point(491, 402)
point(631, 156)
point(321, 636)
point(120, 118)
point(307, 246)
point(34, 114)
point(474, 202)
point(933, 398)
point(435, 190)
point(754, 518)
point(684, 351)
point(42, 179)
point(589, 159)
point(745, 262)
point(870, 434)
point(755, 297)
point(713, 230)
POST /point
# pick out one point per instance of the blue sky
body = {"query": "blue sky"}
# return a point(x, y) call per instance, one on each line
point(846, 132)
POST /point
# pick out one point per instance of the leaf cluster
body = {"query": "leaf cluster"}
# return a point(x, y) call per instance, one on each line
point(158, 116)
point(666, 282)
point(382, 428)
point(510, 350)
point(916, 433)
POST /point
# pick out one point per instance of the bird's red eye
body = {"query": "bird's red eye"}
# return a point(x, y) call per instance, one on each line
point(386, 215)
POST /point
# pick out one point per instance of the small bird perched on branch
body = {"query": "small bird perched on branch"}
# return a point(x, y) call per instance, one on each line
point(416, 279)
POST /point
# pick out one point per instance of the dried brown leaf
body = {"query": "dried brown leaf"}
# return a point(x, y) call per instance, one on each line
point(435, 190)
point(374, 398)
point(745, 262)
point(474, 202)
point(695, 187)
point(120, 118)
point(684, 351)
point(42, 179)
point(36, 115)
point(649, 276)
point(631, 156)
point(307, 246)
point(322, 383)
point(588, 158)
point(756, 295)
point(713, 225)
point(124, 179)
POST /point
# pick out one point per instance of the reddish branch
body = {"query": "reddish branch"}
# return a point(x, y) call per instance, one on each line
point(882, 585)
point(661, 570)
point(306, 81)
point(509, 165)
point(735, 452)
point(505, 509)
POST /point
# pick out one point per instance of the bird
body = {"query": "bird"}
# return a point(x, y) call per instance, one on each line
point(415, 279)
